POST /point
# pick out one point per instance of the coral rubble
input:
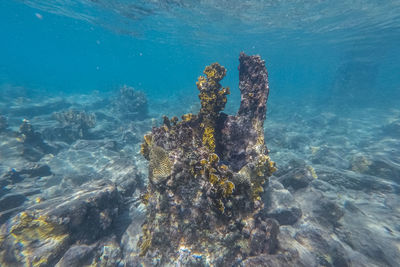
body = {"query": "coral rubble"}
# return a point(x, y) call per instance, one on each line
point(206, 176)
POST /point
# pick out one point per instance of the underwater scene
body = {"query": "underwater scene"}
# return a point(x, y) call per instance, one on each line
point(199, 133)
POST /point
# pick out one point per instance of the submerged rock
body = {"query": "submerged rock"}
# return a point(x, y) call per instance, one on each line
point(3, 123)
point(41, 235)
point(281, 205)
point(206, 176)
point(34, 147)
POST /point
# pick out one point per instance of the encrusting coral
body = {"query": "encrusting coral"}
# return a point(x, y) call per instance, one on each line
point(206, 175)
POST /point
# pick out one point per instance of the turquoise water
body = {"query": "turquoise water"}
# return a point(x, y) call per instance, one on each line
point(82, 81)
point(162, 46)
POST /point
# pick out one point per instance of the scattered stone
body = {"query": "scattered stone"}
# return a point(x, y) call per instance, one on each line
point(281, 205)
point(47, 230)
point(77, 255)
point(11, 201)
point(34, 170)
point(298, 176)
point(328, 212)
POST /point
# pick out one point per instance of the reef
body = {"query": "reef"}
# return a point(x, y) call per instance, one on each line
point(74, 125)
point(130, 104)
point(207, 173)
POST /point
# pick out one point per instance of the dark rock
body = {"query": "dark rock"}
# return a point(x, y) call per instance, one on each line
point(280, 260)
point(35, 170)
point(77, 255)
point(34, 148)
point(356, 181)
point(297, 178)
point(80, 218)
point(10, 177)
point(327, 252)
point(3, 123)
point(11, 201)
point(259, 243)
point(328, 212)
point(281, 205)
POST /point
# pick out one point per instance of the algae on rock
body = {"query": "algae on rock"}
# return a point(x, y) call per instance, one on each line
point(206, 175)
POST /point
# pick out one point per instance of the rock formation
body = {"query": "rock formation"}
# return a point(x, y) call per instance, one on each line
point(206, 176)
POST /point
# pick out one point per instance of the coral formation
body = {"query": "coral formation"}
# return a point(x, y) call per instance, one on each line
point(130, 104)
point(75, 124)
point(206, 176)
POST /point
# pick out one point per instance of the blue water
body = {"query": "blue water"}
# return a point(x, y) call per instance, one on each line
point(162, 46)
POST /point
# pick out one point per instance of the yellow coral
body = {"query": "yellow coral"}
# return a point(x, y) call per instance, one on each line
point(174, 120)
point(221, 206)
point(145, 146)
point(313, 172)
point(272, 166)
point(210, 72)
point(208, 138)
point(145, 241)
point(223, 167)
point(187, 117)
point(145, 198)
point(214, 179)
point(213, 158)
point(160, 165)
point(30, 229)
point(148, 138)
point(228, 188)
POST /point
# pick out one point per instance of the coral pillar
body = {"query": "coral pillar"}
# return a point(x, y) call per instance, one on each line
point(206, 174)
